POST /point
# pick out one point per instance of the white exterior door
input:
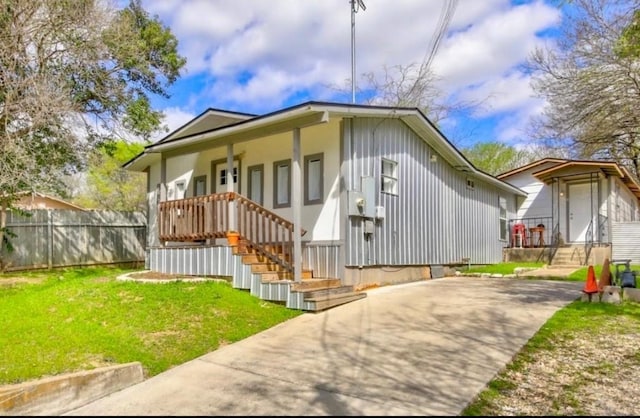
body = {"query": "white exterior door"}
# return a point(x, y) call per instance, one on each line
point(221, 178)
point(580, 210)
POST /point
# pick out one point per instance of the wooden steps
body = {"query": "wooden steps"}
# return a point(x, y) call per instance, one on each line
point(318, 293)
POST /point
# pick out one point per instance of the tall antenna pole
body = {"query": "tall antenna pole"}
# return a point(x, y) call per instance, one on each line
point(355, 5)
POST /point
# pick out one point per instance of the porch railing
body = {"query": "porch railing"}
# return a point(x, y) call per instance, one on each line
point(588, 242)
point(208, 217)
point(555, 241)
point(194, 219)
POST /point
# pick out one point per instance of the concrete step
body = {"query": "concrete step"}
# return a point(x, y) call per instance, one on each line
point(566, 266)
point(325, 302)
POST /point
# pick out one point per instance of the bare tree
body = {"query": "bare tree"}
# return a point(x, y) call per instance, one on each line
point(414, 85)
point(592, 89)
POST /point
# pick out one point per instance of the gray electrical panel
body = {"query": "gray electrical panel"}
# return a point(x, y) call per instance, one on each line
point(368, 187)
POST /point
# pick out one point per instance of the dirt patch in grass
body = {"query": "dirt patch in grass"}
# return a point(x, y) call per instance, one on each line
point(154, 275)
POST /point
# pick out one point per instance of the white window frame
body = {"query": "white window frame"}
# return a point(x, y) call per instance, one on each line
point(389, 176)
point(471, 184)
point(503, 230)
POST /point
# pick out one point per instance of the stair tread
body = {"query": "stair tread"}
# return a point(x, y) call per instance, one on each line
point(324, 303)
point(342, 288)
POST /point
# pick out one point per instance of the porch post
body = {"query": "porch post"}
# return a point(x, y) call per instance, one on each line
point(296, 193)
point(161, 198)
point(232, 204)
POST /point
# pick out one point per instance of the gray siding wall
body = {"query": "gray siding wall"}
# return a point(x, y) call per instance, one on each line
point(434, 219)
point(323, 258)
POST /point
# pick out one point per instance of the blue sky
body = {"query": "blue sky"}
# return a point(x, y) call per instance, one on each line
point(257, 56)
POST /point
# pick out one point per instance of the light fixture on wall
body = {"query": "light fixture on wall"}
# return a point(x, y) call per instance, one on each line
point(433, 158)
point(561, 193)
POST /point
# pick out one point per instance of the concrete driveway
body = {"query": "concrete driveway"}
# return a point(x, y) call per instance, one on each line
point(423, 348)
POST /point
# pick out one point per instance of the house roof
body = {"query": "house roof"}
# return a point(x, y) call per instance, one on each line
point(207, 120)
point(528, 166)
point(609, 168)
point(308, 114)
point(27, 194)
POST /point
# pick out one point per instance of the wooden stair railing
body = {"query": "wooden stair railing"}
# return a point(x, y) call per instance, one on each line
point(205, 217)
point(264, 231)
point(194, 219)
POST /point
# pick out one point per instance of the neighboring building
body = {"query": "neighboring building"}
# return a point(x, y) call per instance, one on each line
point(369, 195)
point(36, 200)
point(577, 201)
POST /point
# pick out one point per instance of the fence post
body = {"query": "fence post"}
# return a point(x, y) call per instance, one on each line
point(49, 238)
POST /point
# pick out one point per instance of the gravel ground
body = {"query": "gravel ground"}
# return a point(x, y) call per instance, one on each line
point(595, 374)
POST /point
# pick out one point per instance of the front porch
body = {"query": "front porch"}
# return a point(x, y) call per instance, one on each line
point(193, 235)
point(531, 241)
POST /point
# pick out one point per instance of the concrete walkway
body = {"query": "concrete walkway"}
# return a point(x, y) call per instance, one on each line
point(424, 348)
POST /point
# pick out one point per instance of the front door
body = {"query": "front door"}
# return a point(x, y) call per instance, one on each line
point(580, 210)
point(220, 176)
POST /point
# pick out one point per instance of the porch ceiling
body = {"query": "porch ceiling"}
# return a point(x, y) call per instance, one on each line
point(240, 133)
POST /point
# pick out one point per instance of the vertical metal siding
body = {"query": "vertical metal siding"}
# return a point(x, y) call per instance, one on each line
point(323, 259)
point(208, 261)
point(435, 218)
point(624, 237)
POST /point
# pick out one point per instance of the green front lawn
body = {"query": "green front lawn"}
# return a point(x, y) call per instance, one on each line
point(76, 319)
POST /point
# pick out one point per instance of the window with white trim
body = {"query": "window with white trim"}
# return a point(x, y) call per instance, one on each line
point(389, 176)
point(503, 218)
point(471, 185)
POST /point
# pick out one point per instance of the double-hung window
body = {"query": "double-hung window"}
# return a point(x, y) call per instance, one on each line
point(314, 179)
point(282, 184)
point(503, 218)
point(389, 176)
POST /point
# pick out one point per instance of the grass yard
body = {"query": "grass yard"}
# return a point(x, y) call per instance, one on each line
point(76, 319)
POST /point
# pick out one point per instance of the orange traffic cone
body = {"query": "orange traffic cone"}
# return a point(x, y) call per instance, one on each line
point(605, 276)
point(590, 287)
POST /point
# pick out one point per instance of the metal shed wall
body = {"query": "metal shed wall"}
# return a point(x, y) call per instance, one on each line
point(624, 245)
point(435, 218)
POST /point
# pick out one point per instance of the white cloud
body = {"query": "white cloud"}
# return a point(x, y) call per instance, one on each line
point(174, 118)
point(257, 55)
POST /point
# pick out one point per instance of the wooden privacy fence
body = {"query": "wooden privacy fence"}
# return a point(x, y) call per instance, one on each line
point(60, 238)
